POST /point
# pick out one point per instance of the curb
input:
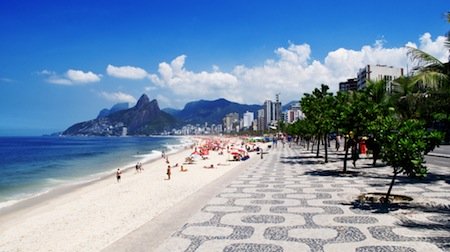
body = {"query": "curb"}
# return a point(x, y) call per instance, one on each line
point(438, 155)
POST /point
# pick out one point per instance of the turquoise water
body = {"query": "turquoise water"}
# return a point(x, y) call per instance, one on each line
point(33, 165)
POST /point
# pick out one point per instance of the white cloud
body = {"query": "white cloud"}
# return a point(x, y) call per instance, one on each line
point(118, 97)
point(434, 48)
point(291, 73)
point(78, 76)
point(191, 84)
point(164, 100)
point(71, 77)
point(126, 72)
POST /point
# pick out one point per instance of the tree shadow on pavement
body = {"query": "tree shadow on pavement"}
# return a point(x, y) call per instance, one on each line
point(429, 179)
point(333, 173)
point(401, 179)
point(303, 162)
point(437, 223)
point(377, 207)
point(308, 160)
point(301, 157)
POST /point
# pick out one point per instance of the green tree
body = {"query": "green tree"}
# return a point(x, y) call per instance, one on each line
point(350, 113)
point(318, 110)
point(404, 145)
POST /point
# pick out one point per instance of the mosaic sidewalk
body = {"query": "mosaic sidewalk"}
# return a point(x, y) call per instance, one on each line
point(291, 201)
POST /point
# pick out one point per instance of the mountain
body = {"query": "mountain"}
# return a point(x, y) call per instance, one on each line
point(143, 119)
point(211, 112)
point(288, 105)
point(114, 109)
point(171, 111)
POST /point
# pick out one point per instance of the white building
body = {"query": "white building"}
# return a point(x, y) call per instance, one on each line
point(294, 113)
point(248, 119)
point(230, 121)
point(272, 112)
point(377, 73)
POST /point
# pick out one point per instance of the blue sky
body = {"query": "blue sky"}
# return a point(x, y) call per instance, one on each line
point(63, 61)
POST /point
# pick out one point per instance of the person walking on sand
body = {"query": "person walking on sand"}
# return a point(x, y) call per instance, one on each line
point(118, 173)
point(168, 172)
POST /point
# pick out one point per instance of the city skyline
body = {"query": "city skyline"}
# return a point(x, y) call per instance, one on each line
point(63, 62)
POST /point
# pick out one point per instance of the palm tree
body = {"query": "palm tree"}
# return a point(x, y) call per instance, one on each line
point(447, 43)
point(434, 76)
point(408, 97)
point(430, 71)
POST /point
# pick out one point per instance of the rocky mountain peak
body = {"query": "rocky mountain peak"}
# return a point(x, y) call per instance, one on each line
point(143, 101)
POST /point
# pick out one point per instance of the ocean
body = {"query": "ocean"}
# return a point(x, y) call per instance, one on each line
point(30, 166)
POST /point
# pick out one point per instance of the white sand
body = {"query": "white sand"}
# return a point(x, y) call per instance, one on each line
point(93, 216)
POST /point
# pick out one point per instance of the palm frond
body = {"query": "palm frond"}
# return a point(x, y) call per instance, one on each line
point(432, 79)
point(422, 58)
point(404, 85)
point(447, 43)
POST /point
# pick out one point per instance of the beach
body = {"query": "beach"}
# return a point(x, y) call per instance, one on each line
point(92, 216)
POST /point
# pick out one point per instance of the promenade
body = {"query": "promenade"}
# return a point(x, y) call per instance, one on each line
point(292, 201)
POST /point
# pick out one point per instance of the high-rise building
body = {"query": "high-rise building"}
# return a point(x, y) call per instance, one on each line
point(248, 119)
point(293, 113)
point(261, 121)
point(272, 112)
point(268, 115)
point(230, 121)
point(277, 109)
point(377, 73)
point(350, 84)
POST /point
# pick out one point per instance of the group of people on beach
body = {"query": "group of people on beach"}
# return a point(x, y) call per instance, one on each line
point(203, 151)
point(139, 167)
point(169, 171)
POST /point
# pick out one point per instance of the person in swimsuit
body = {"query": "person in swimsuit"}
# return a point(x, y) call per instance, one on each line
point(118, 173)
point(168, 172)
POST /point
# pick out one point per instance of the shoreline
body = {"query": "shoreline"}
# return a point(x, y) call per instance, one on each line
point(110, 209)
point(46, 193)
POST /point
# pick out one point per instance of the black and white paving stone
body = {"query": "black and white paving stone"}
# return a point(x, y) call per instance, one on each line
point(291, 201)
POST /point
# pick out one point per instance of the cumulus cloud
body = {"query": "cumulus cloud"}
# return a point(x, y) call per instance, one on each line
point(188, 83)
point(118, 97)
point(291, 73)
point(78, 76)
point(71, 77)
point(126, 72)
point(434, 48)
